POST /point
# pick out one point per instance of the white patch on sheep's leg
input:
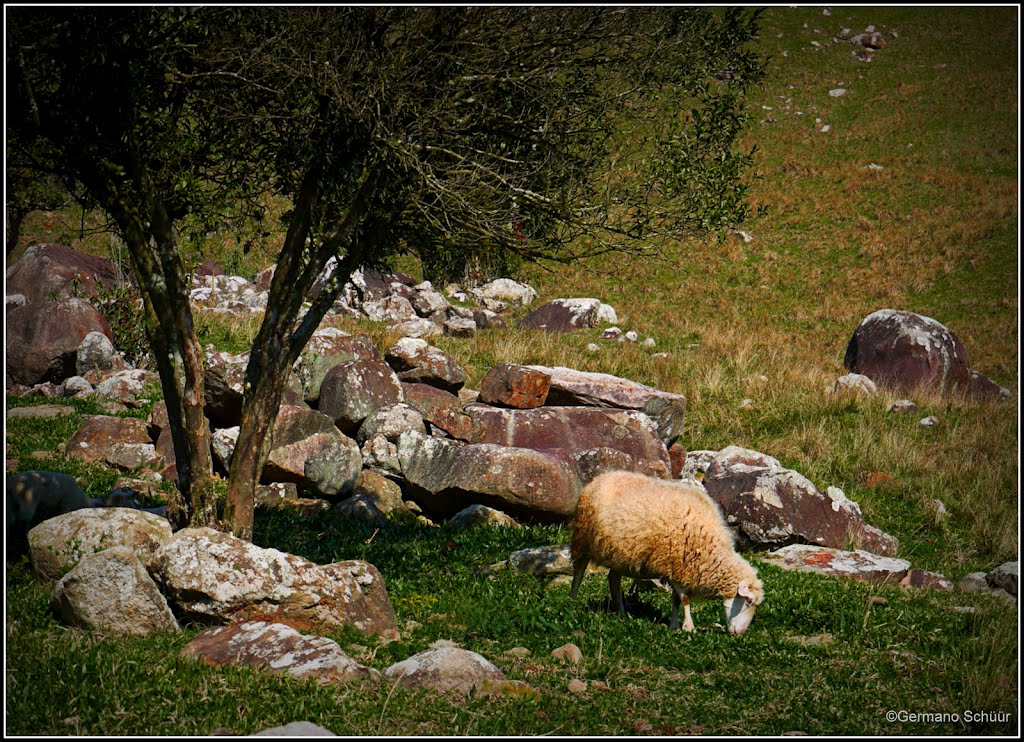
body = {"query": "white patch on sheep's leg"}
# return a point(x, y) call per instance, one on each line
point(687, 618)
point(579, 570)
point(615, 586)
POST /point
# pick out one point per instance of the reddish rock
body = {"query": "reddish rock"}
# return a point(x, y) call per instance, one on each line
point(311, 452)
point(772, 505)
point(47, 269)
point(521, 387)
point(902, 351)
point(563, 315)
point(439, 409)
point(920, 578)
point(328, 348)
point(857, 565)
point(277, 648)
point(113, 441)
point(572, 387)
point(351, 391)
point(415, 361)
point(677, 457)
point(43, 339)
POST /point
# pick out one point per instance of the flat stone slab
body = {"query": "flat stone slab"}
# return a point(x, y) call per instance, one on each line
point(856, 565)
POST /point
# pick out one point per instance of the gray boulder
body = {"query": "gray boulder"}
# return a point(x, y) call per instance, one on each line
point(311, 452)
point(352, 391)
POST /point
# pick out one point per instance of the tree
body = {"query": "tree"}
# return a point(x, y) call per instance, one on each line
point(524, 133)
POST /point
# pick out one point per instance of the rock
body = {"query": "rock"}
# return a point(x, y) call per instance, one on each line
point(837, 92)
point(380, 453)
point(77, 387)
point(566, 315)
point(40, 411)
point(60, 542)
point(362, 508)
point(572, 432)
point(1004, 577)
point(772, 506)
point(486, 319)
point(903, 406)
point(577, 687)
point(440, 409)
point(973, 582)
point(352, 391)
point(391, 421)
point(869, 39)
point(415, 361)
point(95, 353)
point(35, 496)
point(389, 309)
point(856, 383)
point(14, 300)
point(126, 387)
point(572, 387)
point(920, 578)
point(119, 442)
point(224, 388)
point(520, 387)
point(857, 565)
point(223, 442)
point(296, 729)
point(275, 495)
point(677, 457)
point(47, 269)
point(476, 516)
point(418, 328)
point(505, 289)
point(458, 327)
point(310, 451)
point(214, 577)
point(568, 654)
point(228, 294)
point(427, 301)
point(902, 351)
point(447, 476)
point(277, 648)
point(42, 339)
point(327, 348)
point(111, 592)
point(544, 561)
point(446, 670)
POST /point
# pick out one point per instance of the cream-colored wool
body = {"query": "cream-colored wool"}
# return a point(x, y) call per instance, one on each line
point(641, 527)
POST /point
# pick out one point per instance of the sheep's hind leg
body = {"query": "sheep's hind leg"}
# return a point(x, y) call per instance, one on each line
point(615, 586)
point(579, 570)
point(678, 596)
point(687, 618)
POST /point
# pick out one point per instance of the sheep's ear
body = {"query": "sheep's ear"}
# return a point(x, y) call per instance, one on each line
point(744, 590)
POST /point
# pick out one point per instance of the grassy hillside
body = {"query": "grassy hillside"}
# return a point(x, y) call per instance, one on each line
point(934, 231)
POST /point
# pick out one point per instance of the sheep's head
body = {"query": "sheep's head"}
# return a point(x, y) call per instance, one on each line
point(739, 609)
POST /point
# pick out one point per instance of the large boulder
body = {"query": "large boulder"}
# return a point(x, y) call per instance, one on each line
point(415, 361)
point(111, 592)
point(772, 506)
point(440, 409)
point(566, 315)
point(519, 387)
point(446, 476)
point(311, 452)
point(903, 351)
point(328, 348)
point(572, 387)
point(506, 290)
point(214, 577)
point(351, 391)
point(575, 431)
point(47, 270)
point(447, 670)
point(59, 543)
point(277, 648)
point(43, 339)
point(119, 442)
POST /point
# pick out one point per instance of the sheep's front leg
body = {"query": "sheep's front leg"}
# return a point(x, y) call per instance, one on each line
point(615, 586)
point(678, 596)
point(579, 570)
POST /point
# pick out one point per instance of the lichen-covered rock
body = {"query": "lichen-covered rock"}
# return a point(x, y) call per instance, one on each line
point(352, 391)
point(384, 493)
point(416, 361)
point(277, 648)
point(855, 383)
point(566, 315)
point(95, 353)
point(120, 442)
point(772, 506)
point(572, 387)
point(857, 565)
point(327, 348)
point(440, 409)
point(476, 516)
point(48, 269)
point(60, 543)
point(42, 339)
point(921, 579)
point(214, 577)
point(543, 561)
point(111, 592)
point(296, 729)
point(446, 476)
point(224, 387)
point(311, 452)
point(391, 421)
point(1004, 577)
point(126, 386)
point(446, 670)
point(361, 507)
point(505, 289)
point(520, 387)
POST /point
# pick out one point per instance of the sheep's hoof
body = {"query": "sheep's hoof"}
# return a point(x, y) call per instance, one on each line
point(689, 628)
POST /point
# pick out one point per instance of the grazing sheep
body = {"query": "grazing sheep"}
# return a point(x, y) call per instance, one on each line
point(648, 528)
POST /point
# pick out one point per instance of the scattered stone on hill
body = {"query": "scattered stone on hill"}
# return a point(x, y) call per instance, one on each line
point(311, 452)
point(568, 654)
point(211, 576)
point(857, 565)
point(296, 729)
point(228, 294)
point(565, 315)
point(921, 578)
point(380, 453)
point(47, 270)
point(383, 492)
point(111, 592)
point(119, 442)
point(520, 387)
point(543, 561)
point(856, 383)
point(416, 361)
point(390, 310)
point(224, 384)
point(327, 348)
point(1004, 577)
point(459, 327)
point(771, 505)
point(352, 391)
point(361, 507)
point(277, 648)
point(42, 339)
point(572, 387)
point(418, 328)
point(452, 670)
point(902, 351)
point(77, 387)
point(476, 516)
point(40, 411)
point(127, 386)
point(95, 353)
point(870, 39)
point(505, 289)
point(903, 406)
point(391, 421)
point(60, 542)
point(223, 442)
point(441, 410)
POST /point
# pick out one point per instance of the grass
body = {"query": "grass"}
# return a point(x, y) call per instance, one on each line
point(934, 231)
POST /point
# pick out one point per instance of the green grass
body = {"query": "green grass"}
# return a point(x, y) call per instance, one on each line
point(935, 232)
